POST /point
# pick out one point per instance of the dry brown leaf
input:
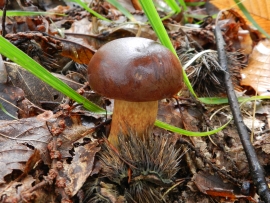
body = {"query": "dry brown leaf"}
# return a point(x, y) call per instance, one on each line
point(214, 186)
point(9, 96)
point(257, 73)
point(13, 190)
point(263, 142)
point(19, 138)
point(60, 9)
point(51, 47)
point(259, 10)
point(106, 34)
point(83, 26)
point(169, 114)
point(34, 89)
point(17, 141)
point(81, 166)
point(13, 156)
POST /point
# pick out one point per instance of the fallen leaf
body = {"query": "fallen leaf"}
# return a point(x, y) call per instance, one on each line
point(13, 156)
point(105, 35)
point(31, 162)
point(35, 90)
point(257, 74)
point(259, 10)
point(214, 186)
point(263, 142)
point(52, 47)
point(14, 189)
point(19, 138)
point(81, 166)
point(9, 96)
point(254, 124)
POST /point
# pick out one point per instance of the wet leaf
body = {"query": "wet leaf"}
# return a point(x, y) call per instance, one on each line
point(35, 90)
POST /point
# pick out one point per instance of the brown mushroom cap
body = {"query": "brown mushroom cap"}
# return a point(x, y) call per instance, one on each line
point(135, 69)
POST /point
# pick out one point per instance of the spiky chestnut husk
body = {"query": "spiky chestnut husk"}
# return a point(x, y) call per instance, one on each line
point(98, 191)
point(142, 167)
point(206, 75)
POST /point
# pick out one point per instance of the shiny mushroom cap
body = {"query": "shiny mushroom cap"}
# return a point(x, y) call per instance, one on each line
point(135, 69)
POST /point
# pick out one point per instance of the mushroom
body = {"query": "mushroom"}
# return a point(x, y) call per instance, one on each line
point(136, 73)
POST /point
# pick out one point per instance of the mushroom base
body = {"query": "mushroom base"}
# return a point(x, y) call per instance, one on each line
point(138, 117)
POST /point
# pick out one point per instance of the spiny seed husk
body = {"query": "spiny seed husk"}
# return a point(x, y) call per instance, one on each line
point(97, 191)
point(205, 74)
point(153, 164)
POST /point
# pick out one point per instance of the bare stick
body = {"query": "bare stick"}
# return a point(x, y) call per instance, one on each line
point(256, 169)
point(4, 19)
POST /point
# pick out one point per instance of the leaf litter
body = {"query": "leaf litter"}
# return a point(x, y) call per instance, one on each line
point(214, 169)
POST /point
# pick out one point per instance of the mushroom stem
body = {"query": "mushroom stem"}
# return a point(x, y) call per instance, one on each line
point(138, 117)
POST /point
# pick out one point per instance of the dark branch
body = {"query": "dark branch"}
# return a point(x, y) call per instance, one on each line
point(4, 18)
point(256, 169)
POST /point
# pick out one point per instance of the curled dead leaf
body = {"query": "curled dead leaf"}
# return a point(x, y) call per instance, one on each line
point(257, 74)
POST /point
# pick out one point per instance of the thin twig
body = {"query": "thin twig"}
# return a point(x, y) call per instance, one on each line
point(4, 19)
point(256, 169)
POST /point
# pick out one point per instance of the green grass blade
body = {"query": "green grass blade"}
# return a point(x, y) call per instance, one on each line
point(196, 16)
point(83, 5)
point(194, 3)
point(249, 17)
point(157, 25)
point(19, 57)
point(219, 100)
point(28, 13)
point(5, 111)
point(169, 15)
point(183, 4)
point(122, 9)
point(173, 6)
point(213, 100)
point(186, 132)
